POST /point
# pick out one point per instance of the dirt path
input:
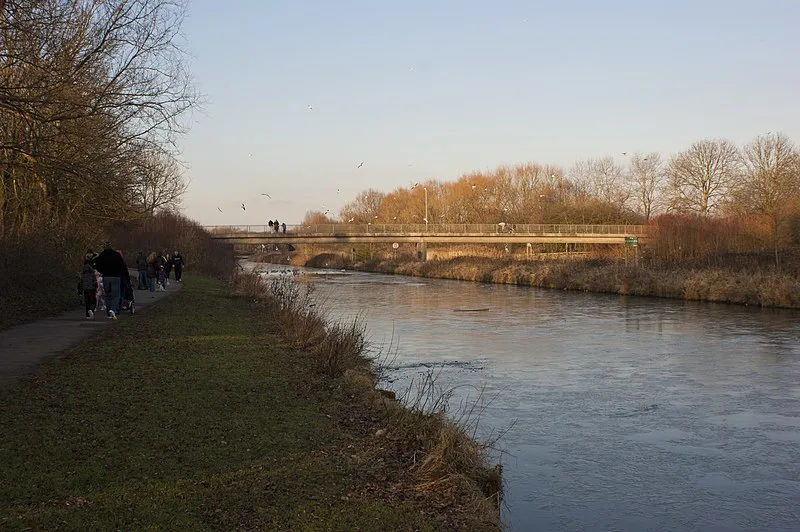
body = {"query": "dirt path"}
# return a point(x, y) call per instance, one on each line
point(24, 346)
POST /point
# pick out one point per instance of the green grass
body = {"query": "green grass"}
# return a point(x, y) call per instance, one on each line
point(192, 415)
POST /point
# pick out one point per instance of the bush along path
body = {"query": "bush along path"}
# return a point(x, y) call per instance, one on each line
point(202, 416)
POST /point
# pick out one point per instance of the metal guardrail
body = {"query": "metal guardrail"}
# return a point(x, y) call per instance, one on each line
point(479, 229)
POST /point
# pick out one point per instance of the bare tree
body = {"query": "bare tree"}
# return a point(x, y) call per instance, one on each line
point(82, 83)
point(602, 179)
point(646, 176)
point(771, 180)
point(700, 177)
point(364, 208)
point(158, 181)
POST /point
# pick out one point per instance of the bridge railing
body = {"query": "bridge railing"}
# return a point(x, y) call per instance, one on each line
point(379, 228)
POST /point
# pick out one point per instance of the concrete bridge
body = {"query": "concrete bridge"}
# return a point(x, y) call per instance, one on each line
point(502, 233)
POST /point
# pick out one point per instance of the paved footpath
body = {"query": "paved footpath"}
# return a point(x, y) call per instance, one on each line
point(24, 346)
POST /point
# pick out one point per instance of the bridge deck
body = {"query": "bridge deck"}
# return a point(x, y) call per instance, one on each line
point(431, 233)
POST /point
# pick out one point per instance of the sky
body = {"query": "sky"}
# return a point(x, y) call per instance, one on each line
point(299, 93)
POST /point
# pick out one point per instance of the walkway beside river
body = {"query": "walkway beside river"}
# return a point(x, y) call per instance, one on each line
point(24, 346)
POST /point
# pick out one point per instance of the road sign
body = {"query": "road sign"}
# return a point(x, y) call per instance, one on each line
point(631, 241)
point(395, 245)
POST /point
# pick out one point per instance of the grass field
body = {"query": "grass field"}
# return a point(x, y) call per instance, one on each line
point(194, 415)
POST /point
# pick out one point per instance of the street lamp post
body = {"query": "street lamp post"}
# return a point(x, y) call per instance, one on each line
point(426, 208)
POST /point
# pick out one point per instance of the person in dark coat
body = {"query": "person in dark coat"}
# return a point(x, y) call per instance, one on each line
point(152, 271)
point(88, 289)
point(167, 264)
point(90, 257)
point(141, 267)
point(112, 267)
point(179, 263)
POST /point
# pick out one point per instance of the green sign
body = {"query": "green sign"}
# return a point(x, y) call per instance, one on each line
point(631, 241)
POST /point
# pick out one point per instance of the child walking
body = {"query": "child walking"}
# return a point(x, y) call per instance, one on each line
point(89, 287)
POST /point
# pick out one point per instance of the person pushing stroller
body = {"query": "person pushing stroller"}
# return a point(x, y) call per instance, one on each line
point(112, 267)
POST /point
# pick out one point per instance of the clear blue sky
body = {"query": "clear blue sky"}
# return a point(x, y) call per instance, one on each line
point(449, 87)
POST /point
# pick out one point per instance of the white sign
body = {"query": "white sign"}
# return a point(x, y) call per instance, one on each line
point(395, 245)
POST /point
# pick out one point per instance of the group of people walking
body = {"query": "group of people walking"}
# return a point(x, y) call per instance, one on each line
point(106, 284)
point(274, 225)
point(155, 269)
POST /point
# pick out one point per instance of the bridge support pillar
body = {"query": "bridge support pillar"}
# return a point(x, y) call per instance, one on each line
point(422, 251)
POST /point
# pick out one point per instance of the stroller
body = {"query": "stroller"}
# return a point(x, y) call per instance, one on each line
point(128, 299)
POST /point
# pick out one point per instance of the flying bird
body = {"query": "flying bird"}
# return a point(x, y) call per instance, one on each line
point(360, 164)
point(220, 210)
point(243, 207)
point(267, 195)
point(326, 211)
point(249, 154)
point(624, 153)
point(338, 191)
point(310, 108)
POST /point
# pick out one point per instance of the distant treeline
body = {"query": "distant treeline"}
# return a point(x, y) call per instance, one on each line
point(714, 197)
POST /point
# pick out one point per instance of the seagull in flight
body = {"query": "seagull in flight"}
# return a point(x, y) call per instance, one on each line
point(243, 208)
point(360, 164)
point(267, 195)
point(624, 153)
point(220, 210)
point(310, 108)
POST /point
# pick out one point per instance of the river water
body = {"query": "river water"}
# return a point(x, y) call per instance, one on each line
point(623, 413)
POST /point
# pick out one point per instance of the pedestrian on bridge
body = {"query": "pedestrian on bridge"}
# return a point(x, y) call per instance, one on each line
point(276, 226)
point(270, 224)
point(283, 228)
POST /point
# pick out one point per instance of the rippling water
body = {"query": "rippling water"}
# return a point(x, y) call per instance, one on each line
point(627, 413)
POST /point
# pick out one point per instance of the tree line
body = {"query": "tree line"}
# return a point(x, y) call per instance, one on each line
point(93, 95)
point(711, 178)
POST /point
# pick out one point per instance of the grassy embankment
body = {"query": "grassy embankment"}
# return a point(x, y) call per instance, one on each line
point(737, 281)
point(212, 411)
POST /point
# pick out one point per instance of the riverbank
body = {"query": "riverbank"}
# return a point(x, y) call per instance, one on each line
point(199, 414)
point(732, 284)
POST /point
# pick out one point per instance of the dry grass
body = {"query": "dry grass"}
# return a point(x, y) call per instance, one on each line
point(447, 456)
point(742, 279)
point(436, 455)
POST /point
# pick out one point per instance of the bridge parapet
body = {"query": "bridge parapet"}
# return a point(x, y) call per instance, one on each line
point(344, 229)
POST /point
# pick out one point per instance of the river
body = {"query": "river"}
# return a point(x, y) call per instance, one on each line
point(623, 413)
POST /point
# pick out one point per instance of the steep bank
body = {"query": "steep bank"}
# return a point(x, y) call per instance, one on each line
point(199, 415)
point(747, 286)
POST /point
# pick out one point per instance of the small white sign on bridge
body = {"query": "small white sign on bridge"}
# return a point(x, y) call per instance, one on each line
point(395, 245)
